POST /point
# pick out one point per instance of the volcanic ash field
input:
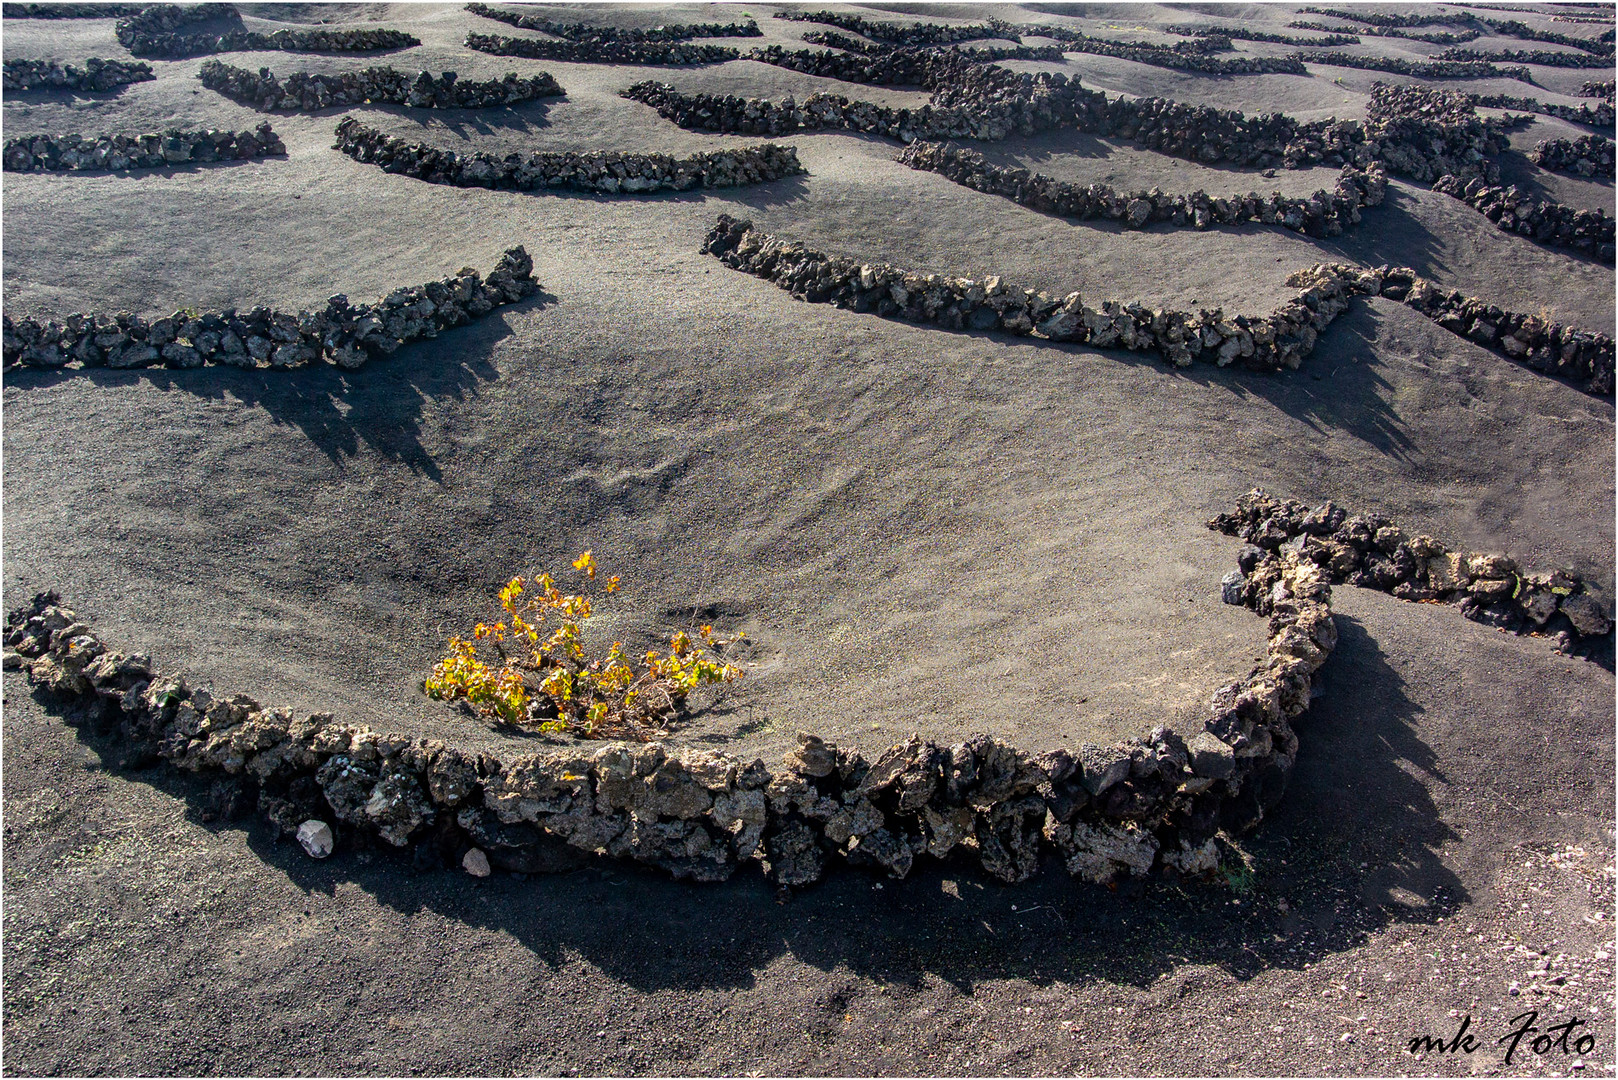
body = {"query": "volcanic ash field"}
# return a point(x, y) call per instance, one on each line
point(1160, 459)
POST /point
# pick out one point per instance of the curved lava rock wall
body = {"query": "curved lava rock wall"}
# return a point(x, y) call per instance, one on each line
point(342, 334)
point(1589, 231)
point(1588, 155)
point(1325, 213)
point(666, 53)
point(1371, 552)
point(1261, 343)
point(119, 153)
point(1600, 115)
point(96, 75)
point(1417, 132)
point(579, 31)
point(70, 11)
point(1107, 811)
point(303, 91)
point(155, 32)
point(611, 173)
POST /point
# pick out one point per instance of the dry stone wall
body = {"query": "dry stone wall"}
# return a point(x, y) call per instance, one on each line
point(1417, 132)
point(1325, 213)
point(981, 54)
point(611, 173)
point(668, 54)
point(155, 32)
point(1180, 56)
point(818, 112)
point(343, 334)
point(1271, 342)
point(70, 11)
point(1186, 60)
point(1551, 223)
point(1330, 40)
point(1600, 46)
point(1597, 89)
point(1600, 115)
point(1588, 155)
point(1431, 37)
point(98, 76)
point(1278, 341)
point(1377, 18)
point(1418, 69)
point(1371, 552)
point(578, 31)
point(1106, 811)
point(306, 92)
point(873, 65)
point(1551, 348)
point(907, 34)
point(122, 153)
point(1396, 25)
point(1541, 57)
point(1423, 133)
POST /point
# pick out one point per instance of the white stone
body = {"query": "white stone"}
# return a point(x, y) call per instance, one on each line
point(316, 838)
point(476, 863)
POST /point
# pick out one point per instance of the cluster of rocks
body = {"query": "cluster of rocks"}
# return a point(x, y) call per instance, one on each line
point(343, 334)
point(1423, 133)
point(1418, 69)
point(1260, 343)
point(69, 11)
point(871, 65)
point(1525, 56)
point(1106, 811)
point(1370, 552)
point(908, 34)
point(586, 32)
point(1243, 34)
point(97, 76)
point(1588, 155)
point(119, 153)
point(1551, 348)
point(1325, 213)
point(609, 173)
point(666, 54)
point(155, 32)
point(161, 21)
point(1377, 18)
point(1556, 224)
point(1600, 115)
point(1597, 89)
point(1431, 37)
point(304, 91)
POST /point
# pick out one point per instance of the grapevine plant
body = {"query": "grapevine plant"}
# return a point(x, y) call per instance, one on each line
point(534, 667)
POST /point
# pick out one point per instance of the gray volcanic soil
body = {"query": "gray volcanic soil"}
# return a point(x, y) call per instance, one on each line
point(918, 530)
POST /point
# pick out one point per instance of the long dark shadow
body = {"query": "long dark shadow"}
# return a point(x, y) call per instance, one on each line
point(1353, 848)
